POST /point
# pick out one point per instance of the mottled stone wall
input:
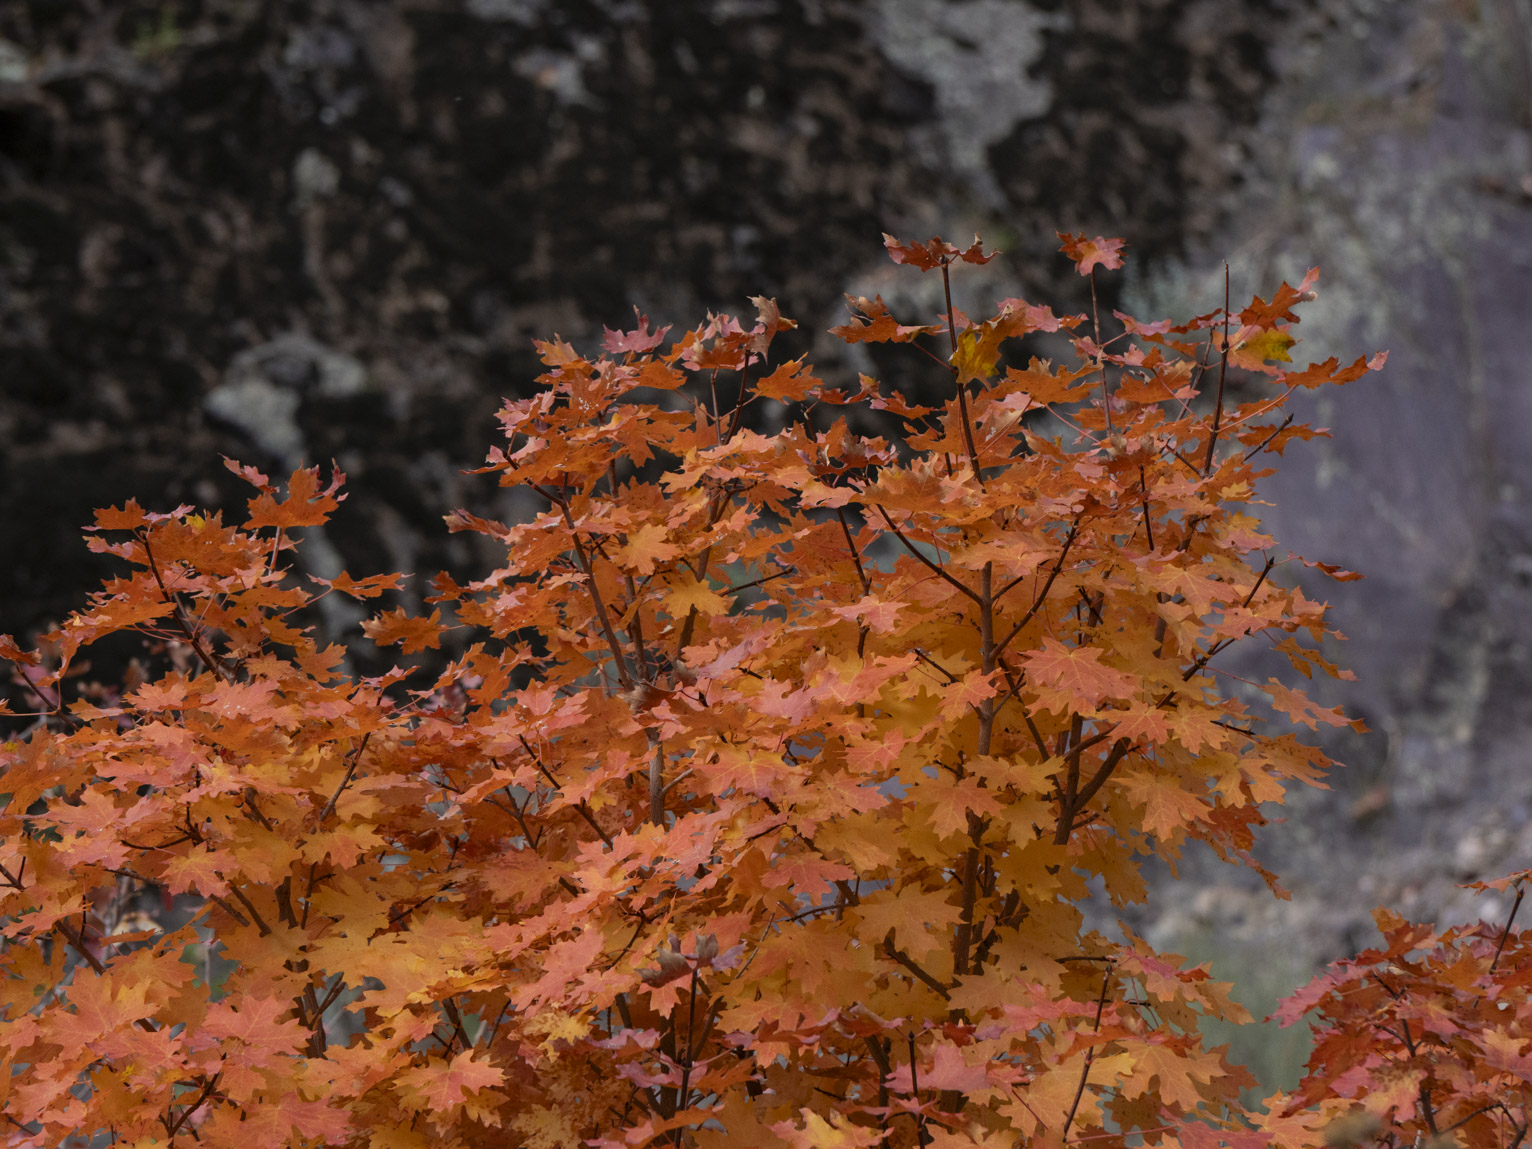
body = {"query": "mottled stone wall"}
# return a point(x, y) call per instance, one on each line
point(1395, 153)
point(331, 229)
point(285, 230)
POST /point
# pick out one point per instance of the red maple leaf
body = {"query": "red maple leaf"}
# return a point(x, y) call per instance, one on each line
point(639, 340)
point(1088, 253)
point(305, 506)
point(935, 253)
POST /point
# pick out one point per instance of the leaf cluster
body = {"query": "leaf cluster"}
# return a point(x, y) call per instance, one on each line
point(760, 796)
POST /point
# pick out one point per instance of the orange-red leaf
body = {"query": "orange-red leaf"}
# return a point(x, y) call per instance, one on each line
point(1076, 675)
point(1086, 254)
point(306, 504)
point(413, 633)
point(935, 252)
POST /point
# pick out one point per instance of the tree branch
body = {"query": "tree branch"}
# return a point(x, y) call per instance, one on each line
point(1042, 595)
point(909, 963)
point(1223, 370)
point(935, 569)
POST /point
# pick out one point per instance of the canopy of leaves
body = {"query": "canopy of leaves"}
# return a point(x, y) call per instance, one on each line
point(714, 831)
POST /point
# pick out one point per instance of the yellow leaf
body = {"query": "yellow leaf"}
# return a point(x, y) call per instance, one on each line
point(683, 596)
point(544, 1128)
point(817, 1133)
point(978, 351)
point(645, 549)
point(1174, 1073)
point(1263, 346)
point(1168, 809)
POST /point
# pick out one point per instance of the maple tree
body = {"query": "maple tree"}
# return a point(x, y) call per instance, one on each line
point(1426, 1036)
point(714, 830)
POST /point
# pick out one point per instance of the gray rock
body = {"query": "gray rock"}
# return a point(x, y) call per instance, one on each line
point(1392, 155)
point(14, 66)
point(261, 410)
point(977, 55)
point(315, 177)
point(524, 12)
point(264, 387)
point(300, 362)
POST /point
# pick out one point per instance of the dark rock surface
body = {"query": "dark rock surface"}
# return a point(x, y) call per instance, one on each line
point(331, 229)
point(207, 208)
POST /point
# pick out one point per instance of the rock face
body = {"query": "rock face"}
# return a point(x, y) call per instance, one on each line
point(332, 229)
point(329, 230)
point(1395, 154)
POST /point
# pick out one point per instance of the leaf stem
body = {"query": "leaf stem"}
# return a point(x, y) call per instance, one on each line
point(962, 388)
point(1090, 1055)
point(1042, 595)
point(1223, 370)
point(180, 616)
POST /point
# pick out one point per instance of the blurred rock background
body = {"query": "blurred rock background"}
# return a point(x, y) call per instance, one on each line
point(289, 231)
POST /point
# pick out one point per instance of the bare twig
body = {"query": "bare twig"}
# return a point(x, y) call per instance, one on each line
point(1261, 446)
point(180, 616)
point(1042, 595)
point(1505, 933)
point(962, 389)
point(1223, 370)
point(351, 762)
point(910, 964)
point(909, 546)
point(1090, 1055)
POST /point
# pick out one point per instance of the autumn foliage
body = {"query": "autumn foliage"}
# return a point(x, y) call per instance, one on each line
point(759, 796)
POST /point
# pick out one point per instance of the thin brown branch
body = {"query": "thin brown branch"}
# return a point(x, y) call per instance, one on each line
point(223, 904)
point(683, 1094)
point(1090, 1056)
point(861, 574)
point(879, 1048)
point(14, 880)
point(1261, 446)
point(399, 915)
point(351, 762)
point(926, 658)
point(254, 913)
point(909, 963)
point(1042, 595)
point(1010, 909)
point(76, 938)
point(764, 579)
point(1095, 315)
point(1505, 933)
point(602, 617)
point(1078, 799)
point(180, 616)
point(1223, 370)
point(962, 389)
point(1190, 466)
point(922, 1137)
point(909, 546)
point(171, 1129)
point(719, 500)
point(656, 779)
point(1224, 644)
point(963, 941)
point(637, 631)
point(1427, 1110)
point(582, 808)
